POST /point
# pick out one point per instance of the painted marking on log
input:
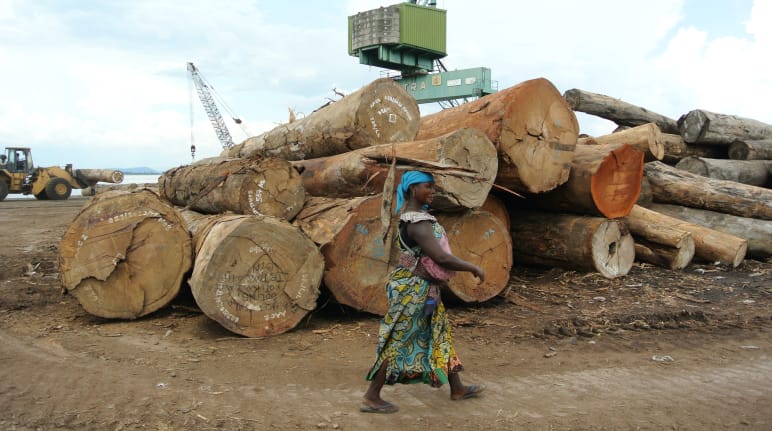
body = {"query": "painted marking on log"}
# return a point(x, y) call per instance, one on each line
point(278, 315)
point(257, 199)
point(360, 228)
point(82, 240)
point(375, 126)
point(488, 233)
point(398, 102)
point(218, 294)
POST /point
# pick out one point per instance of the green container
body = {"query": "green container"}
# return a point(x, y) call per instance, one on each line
point(384, 36)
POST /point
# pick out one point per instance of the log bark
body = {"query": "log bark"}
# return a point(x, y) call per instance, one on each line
point(618, 111)
point(647, 138)
point(358, 259)
point(711, 128)
point(256, 276)
point(463, 162)
point(605, 181)
point(125, 254)
point(94, 176)
point(671, 185)
point(269, 187)
point(573, 242)
point(531, 125)
point(380, 112)
point(751, 150)
point(709, 244)
point(657, 241)
point(757, 232)
point(646, 197)
point(751, 172)
point(676, 149)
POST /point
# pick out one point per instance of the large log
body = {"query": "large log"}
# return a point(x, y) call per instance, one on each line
point(671, 185)
point(358, 260)
point(498, 208)
point(751, 150)
point(215, 185)
point(125, 254)
point(573, 242)
point(757, 232)
point(676, 149)
point(751, 172)
point(531, 125)
point(463, 162)
point(605, 181)
point(256, 276)
point(618, 111)
point(96, 175)
point(646, 138)
point(377, 113)
point(657, 241)
point(711, 128)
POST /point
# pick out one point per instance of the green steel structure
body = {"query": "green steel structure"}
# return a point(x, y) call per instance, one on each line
point(410, 38)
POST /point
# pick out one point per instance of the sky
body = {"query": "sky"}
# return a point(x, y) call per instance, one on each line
point(104, 84)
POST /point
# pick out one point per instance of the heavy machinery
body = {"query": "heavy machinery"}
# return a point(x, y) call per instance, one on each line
point(206, 93)
point(18, 174)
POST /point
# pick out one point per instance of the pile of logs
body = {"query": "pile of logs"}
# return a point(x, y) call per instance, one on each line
point(259, 231)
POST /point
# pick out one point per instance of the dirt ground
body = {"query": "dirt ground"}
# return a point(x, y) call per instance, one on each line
point(558, 350)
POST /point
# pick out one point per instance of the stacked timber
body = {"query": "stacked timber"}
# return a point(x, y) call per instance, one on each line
point(620, 112)
point(751, 172)
point(658, 240)
point(255, 275)
point(531, 125)
point(713, 128)
point(676, 149)
point(125, 254)
point(359, 255)
point(751, 149)
point(605, 181)
point(378, 113)
point(269, 186)
point(647, 138)
point(584, 243)
point(463, 163)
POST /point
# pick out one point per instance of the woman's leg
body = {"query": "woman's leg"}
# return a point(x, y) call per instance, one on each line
point(373, 394)
point(457, 389)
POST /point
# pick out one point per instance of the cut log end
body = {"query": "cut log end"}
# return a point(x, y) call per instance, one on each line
point(256, 276)
point(125, 254)
point(616, 184)
point(613, 250)
point(387, 113)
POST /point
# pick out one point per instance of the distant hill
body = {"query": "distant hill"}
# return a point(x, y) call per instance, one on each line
point(142, 170)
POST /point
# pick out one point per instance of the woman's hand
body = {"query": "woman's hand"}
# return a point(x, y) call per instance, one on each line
point(479, 273)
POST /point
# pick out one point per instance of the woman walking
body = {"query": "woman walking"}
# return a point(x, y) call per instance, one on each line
point(415, 344)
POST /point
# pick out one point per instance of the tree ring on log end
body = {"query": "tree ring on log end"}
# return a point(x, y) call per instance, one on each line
point(613, 249)
point(616, 184)
point(386, 113)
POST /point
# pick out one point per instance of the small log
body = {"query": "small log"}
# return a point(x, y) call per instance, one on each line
point(378, 113)
point(757, 232)
point(573, 242)
point(671, 185)
point(531, 125)
point(215, 185)
point(358, 259)
point(125, 254)
point(463, 162)
point(647, 138)
point(605, 181)
point(676, 149)
point(751, 150)
point(657, 241)
point(711, 128)
point(751, 172)
point(618, 111)
point(256, 276)
point(709, 244)
point(92, 176)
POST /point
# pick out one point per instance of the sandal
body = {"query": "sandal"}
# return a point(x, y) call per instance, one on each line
point(383, 408)
point(471, 391)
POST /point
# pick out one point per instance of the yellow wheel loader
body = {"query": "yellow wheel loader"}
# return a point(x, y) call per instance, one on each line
point(19, 175)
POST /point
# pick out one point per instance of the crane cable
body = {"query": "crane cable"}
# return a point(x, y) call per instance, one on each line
point(224, 105)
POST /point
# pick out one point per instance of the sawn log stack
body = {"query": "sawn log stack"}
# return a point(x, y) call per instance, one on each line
point(309, 205)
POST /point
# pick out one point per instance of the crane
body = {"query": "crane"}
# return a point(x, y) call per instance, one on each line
point(207, 99)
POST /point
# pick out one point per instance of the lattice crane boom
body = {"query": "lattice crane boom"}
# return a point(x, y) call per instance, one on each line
point(223, 134)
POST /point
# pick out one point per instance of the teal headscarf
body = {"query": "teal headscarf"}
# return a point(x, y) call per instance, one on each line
point(408, 179)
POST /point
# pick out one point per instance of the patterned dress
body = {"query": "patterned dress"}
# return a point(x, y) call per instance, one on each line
point(418, 350)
